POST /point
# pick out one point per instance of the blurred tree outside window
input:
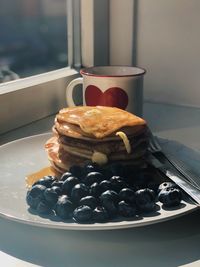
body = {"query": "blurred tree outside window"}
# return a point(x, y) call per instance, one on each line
point(33, 37)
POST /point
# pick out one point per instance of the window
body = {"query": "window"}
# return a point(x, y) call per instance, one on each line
point(33, 37)
point(38, 47)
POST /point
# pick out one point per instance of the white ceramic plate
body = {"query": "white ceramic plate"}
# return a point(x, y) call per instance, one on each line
point(25, 156)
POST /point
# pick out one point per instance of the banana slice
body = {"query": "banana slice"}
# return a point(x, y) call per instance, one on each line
point(125, 139)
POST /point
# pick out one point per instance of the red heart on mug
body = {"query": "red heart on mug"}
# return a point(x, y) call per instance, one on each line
point(112, 97)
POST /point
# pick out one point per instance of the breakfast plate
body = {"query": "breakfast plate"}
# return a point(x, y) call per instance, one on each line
point(25, 156)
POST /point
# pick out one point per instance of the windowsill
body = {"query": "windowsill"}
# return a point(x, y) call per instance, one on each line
point(35, 80)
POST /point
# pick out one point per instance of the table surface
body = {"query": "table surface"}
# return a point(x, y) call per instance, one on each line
point(173, 243)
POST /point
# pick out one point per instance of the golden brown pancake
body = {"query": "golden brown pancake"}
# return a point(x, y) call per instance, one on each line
point(96, 122)
point(61, 160)
point(80, 132)
point(103, 145)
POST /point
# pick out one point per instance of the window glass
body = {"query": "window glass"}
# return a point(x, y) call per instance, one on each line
point(33, 37)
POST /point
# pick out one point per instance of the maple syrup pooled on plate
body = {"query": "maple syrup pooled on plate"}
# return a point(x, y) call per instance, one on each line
point(33, 177)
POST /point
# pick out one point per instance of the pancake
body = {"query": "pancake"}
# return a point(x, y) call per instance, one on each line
point(138, 152)
point(99, 134)
point(112, 150)
point(96, 122)
point(61, 161)
point(105, 146)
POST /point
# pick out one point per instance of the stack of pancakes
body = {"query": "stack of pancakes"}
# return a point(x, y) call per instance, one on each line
point(99, 134)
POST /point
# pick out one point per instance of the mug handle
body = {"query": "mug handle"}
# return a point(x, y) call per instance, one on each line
point(69, 91)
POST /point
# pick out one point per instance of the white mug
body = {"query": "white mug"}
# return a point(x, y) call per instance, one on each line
point(114, 86)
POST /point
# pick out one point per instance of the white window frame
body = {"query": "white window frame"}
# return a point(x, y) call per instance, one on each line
point(97, 35)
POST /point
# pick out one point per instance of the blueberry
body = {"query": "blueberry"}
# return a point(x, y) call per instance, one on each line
point(91, 167)
point(107, 173)
point(145, 199)
point(93, 177)
point(166, 185)
point(109, 200)
point(137, 178)
point(170, 197)
point(117, 169)
point(111, 208)
point(133, 174)
point(117, 183)
point(65, 176)
point(57, 183)
point(141, 179)
point(79, 191)
point(100, 214)
point(57, 189)
point(82, 213)
point(106, 185)
point(43, 207)
point(46, 181)
point(64, 207)
point(69, 183)
point(127, 195)
point(126, 210)
point(77, 171)
point(35, 195)
point(51, 196)
point(89, 201)
point(96, 190)
point(130, 171)
point(153, 186)
point(109, 195)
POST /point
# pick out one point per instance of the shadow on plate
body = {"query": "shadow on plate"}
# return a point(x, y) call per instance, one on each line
point(178, 207)
point(152, 213)
point(52, 217)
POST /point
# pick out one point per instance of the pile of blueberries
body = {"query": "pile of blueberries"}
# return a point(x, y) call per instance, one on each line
point(95, 194)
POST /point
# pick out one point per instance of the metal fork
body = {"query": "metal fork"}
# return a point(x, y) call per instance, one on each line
point(155, 149)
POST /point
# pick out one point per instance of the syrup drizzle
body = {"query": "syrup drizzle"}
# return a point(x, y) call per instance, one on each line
point(33, 177)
